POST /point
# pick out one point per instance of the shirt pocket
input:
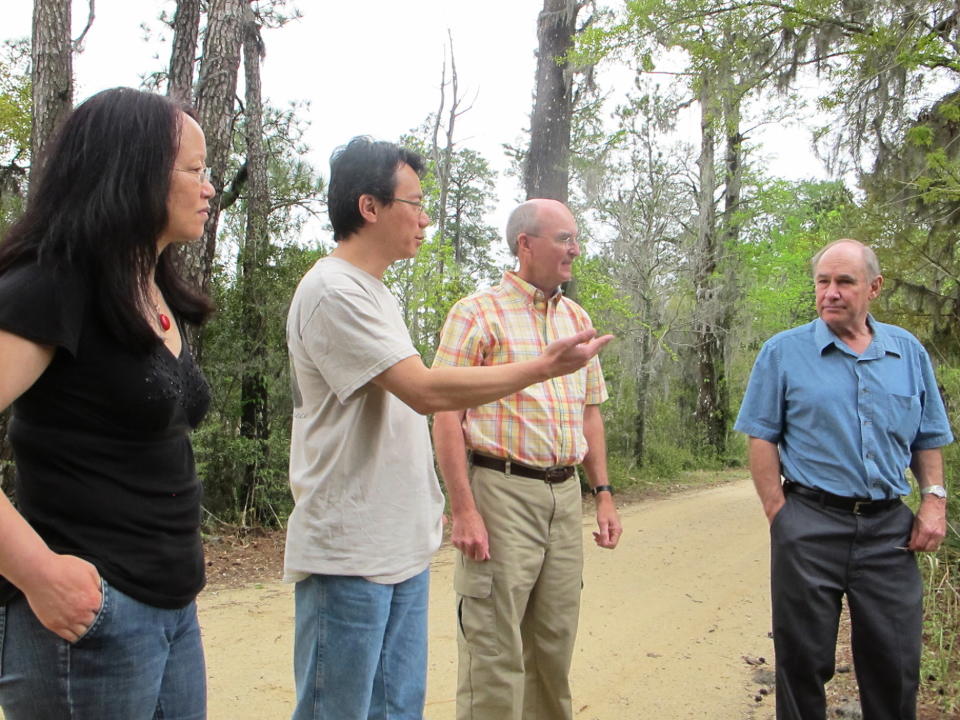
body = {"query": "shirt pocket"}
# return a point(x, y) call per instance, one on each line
point(903, 417)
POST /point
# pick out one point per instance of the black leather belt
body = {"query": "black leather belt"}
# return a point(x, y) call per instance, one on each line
point(556, 474)
point(857, 506)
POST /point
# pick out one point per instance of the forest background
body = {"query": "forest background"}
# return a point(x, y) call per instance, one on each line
point(652, 119)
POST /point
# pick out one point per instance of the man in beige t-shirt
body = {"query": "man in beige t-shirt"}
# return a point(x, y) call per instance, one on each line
point(368, 505)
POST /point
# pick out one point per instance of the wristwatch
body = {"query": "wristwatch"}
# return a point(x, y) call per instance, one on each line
point(936, 490)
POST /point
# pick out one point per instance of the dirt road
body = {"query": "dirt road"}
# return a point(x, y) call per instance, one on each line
point(667, 619)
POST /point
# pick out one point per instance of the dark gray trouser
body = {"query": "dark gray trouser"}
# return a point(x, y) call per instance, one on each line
point(817, 555)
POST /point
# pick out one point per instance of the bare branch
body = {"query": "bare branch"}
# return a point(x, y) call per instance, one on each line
point(78, 43)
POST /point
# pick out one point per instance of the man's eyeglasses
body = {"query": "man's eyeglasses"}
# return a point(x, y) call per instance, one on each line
point(418, 204)
point(202, 175)
point(561, 239)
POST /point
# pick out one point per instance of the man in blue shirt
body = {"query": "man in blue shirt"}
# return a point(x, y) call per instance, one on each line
point(840, 407)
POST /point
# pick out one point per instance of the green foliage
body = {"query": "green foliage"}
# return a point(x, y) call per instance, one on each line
point(949, 378)
point(244, 473)
point(14, 113)
point(14, 120)
point(949, 111)
point(920, 135)
point(457, 257)
point(634, 482)
point(940, 662)
point(595, 292)
point(222, 453)
point(792, 222)
point(667, 460)
point(15, 104)
point(663, 465)
point(427, 287)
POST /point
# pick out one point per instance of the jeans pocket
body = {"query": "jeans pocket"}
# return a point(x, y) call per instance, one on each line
point(476, 610)
point(98, 619)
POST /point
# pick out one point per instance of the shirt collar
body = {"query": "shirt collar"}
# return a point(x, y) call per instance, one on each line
point(516, 285)
point(880, 345)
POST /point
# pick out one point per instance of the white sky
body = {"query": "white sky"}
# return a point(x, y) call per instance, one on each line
point(369, 67)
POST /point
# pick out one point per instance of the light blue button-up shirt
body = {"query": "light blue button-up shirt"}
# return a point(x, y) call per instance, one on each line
point(845, 423)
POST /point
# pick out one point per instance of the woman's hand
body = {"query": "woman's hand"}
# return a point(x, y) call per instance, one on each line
point(65, 595)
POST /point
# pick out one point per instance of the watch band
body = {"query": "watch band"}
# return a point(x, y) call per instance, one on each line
point(936, 490)
point(601, 488)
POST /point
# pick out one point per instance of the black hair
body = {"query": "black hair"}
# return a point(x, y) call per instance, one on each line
point(100, 204)
point(363, 167)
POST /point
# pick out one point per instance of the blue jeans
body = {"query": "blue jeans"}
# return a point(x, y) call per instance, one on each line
point(136, 662)
point(360, 651)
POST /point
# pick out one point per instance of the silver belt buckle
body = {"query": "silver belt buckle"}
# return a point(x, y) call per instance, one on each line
point(857, 504)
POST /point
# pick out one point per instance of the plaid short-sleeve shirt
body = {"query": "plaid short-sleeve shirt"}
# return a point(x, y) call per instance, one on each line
point(542, 425)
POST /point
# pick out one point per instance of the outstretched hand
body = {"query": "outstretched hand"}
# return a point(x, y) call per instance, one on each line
point(571, 353)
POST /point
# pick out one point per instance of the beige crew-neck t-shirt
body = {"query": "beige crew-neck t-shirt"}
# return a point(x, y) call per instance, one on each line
point(361, 464)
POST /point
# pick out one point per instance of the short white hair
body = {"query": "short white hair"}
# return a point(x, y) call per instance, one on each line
point(523, 219)
point(870, 262)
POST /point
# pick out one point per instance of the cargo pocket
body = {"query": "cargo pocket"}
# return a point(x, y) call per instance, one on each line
point(476, 614)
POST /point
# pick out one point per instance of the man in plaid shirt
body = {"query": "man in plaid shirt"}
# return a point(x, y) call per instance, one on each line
point(516, 500)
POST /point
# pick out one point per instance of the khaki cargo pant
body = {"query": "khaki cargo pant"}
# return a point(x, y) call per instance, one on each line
point(518, 611)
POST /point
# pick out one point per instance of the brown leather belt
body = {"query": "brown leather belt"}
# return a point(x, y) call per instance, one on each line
point(556, 474)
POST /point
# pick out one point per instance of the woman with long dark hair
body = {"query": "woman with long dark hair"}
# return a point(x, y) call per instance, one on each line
point(102, 560)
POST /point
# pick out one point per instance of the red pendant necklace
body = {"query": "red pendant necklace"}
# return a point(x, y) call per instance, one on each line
point(162, 317)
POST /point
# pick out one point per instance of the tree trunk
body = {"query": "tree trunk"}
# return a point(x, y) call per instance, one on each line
point(547, 171)
point(645, 356)
point(443, 156)
point(51, 74)
point(711, 414)
point(186, 27)
point(254, 418)
point(447, 154)
point(435, 141)
point(215, 102)
point(733, 167)
point(716, 284)
point(730, 223)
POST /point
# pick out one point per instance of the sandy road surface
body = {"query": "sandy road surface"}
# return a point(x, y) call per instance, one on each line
point(665, 623)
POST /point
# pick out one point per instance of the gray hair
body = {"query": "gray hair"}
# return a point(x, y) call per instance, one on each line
point(523, 219)
point(870, 262)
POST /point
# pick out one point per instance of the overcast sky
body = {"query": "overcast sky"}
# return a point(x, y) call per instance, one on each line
point(366, 66)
